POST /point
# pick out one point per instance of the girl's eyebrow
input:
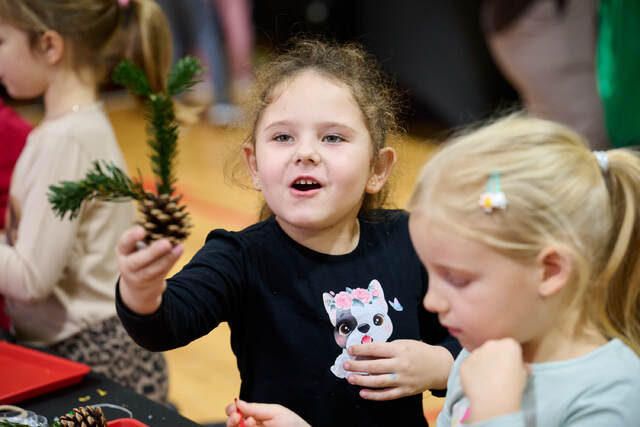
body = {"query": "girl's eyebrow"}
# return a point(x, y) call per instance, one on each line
point(328, 125)
point(322, 125)
point(278, 123)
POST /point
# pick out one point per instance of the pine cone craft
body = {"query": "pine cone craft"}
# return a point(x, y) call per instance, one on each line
point(162, 215)
point(164, 218)
point(84, 416)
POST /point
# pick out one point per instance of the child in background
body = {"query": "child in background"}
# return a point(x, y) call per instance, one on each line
point(531, 242)
point(13, 134)
point(327, 268)
point(57, 277)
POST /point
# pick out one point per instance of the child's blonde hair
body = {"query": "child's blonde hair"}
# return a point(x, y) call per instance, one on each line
point(557, 193)
point(349, 64)
point(101, 32)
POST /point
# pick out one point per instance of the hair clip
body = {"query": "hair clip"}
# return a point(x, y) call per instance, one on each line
point(603, 160)
point(493, 198)
point(124, 3)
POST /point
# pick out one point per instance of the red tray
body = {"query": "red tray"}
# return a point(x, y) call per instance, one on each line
point(26, 373)
point(126, 422)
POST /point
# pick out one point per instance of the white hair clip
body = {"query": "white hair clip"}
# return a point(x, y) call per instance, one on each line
point(603, 160)
point(493, 198)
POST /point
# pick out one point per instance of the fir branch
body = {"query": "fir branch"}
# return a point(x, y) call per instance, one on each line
point(163, 130)
point(108, 184)
point(132, 77)
point(182, 75)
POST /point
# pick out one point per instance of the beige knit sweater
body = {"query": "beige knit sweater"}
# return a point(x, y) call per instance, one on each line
point(58, 276)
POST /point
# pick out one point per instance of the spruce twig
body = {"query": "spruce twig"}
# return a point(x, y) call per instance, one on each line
point(163, 131)
point(107, 182)
point(132, 77)
point(182, 75)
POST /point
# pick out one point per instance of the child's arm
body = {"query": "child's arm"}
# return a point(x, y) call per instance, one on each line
point(143, 271)
point(262, 414)
point(399, 368)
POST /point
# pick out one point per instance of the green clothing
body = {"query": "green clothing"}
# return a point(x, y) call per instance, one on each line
point(618, 69)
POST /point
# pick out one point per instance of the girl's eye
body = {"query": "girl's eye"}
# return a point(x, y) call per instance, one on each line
point(456, 281)
point(282, 138)
point(333, 138)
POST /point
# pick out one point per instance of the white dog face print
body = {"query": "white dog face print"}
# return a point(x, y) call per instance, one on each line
point(359, 316)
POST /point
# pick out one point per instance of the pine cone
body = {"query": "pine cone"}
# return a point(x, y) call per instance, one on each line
point(163, 217)
point(84, 416)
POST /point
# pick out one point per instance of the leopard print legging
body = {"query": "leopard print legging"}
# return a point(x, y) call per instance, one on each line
point(109, 350)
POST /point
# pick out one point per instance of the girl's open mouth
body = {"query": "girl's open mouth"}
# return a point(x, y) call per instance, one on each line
point(305, 184)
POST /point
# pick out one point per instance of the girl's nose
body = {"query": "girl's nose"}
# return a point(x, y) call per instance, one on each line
point(306, 153)
point(434, 302)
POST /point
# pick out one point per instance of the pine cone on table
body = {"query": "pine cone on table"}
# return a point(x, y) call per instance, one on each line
point(84, 416)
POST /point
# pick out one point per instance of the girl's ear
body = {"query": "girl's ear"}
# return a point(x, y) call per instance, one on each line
point(52, 47)
point(249, 156)
point(382, 166)
point(557, 267)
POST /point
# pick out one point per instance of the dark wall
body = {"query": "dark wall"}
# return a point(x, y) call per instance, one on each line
point(435, 49)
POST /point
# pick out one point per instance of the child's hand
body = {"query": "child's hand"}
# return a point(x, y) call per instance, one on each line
point(142, 272)
point(399, 368)
point(493, 378)
point(262, 414)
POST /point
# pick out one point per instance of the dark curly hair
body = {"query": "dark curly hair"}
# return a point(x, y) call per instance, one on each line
point(348, 63)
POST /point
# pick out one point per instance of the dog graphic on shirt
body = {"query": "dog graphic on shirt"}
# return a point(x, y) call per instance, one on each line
point(359, 316)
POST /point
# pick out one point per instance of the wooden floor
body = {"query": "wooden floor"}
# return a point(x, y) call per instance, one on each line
point(203, 375)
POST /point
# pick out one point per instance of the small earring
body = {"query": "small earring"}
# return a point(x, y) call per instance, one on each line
point(256, 184)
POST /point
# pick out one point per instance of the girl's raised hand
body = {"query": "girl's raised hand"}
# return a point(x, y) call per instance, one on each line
point(493, 378)
point(398, 368)
point(143, 271)
point(262, 414)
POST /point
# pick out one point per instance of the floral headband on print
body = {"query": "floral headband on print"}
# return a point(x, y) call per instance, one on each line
point(493, 198)
point(359, 296)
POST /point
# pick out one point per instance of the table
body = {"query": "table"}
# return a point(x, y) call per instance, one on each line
point(61, 401)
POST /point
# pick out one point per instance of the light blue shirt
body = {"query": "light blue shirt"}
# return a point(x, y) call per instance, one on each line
point(599, 389)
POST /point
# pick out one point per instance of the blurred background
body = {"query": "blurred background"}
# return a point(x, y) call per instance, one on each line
point(456, 62)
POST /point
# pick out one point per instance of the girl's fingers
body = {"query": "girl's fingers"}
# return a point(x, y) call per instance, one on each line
point(375, 366)
point(159, 267)
point(375, 349)
point(144, 257)
point(230, 409)
point(127, 242)
point(385, 394)
point(374, 381)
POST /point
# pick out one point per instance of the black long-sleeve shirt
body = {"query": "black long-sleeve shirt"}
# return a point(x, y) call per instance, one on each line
point(281, 299)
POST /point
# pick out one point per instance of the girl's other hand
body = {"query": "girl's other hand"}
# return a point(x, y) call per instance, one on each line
point(398, 368)
point(142, 271)
point(262, 414)
point(493, 378)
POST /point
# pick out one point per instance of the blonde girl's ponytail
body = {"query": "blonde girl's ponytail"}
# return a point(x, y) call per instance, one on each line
point(615, 302)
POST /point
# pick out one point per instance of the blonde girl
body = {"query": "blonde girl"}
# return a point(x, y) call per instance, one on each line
point(531, 242)
point(327, 276)
point(57, 277)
